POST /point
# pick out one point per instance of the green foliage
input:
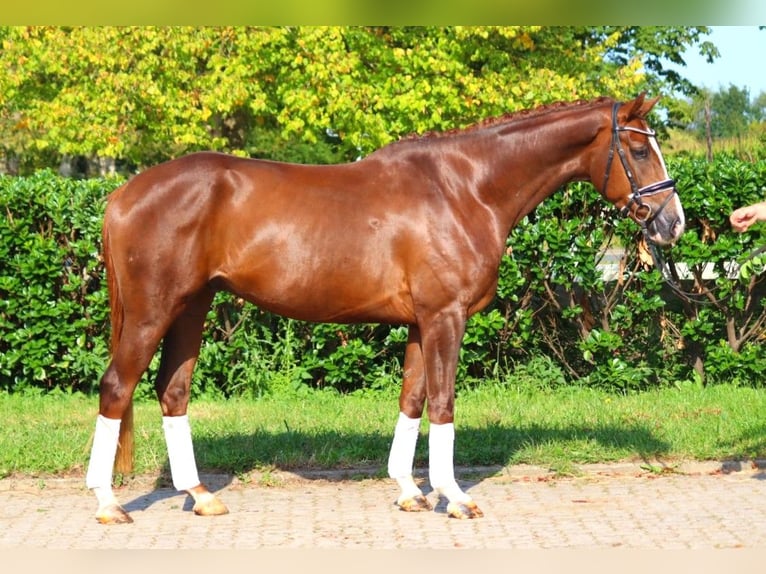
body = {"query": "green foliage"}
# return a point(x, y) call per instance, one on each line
point(752, 267)
point(556, 314)
point(247, 352)
point(732, 111)
point(727, 308)
point(140, 95)
point(727, 120)
point(658, 44)
point(53, 309)
point(745, 367)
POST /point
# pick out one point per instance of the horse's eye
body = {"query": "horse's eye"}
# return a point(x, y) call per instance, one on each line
point(640, 153)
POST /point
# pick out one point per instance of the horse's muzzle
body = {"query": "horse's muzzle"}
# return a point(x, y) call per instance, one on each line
point(667, 226)
point(657, 209)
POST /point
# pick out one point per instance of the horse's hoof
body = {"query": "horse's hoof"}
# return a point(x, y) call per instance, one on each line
point(113, 514)
point(464, 510)
point(205, 502)
point(417, 503)
point(210, 507)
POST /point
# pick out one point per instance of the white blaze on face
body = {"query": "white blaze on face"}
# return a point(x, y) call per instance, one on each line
point(656, 148)
point(676, 201)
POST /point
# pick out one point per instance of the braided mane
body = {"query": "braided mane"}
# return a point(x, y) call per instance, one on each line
point(509, 117)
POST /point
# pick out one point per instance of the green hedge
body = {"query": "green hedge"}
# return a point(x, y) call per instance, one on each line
point(555, 321)
point(53, 302)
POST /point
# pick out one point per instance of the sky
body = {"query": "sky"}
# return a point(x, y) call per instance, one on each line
point(742, 61)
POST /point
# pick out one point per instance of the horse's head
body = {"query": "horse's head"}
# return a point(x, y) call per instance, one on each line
point(635, 178)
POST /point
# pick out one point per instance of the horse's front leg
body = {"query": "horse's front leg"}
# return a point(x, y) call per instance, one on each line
point(441, 339)
point(179, 355)
point(411, 403)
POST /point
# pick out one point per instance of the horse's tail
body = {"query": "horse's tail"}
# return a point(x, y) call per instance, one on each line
point(124, 458)
point(123, 462)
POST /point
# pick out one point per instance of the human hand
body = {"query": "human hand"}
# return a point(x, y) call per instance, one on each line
point(742, 218)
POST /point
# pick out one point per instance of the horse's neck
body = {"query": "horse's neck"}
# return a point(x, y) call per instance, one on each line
point(527, 161)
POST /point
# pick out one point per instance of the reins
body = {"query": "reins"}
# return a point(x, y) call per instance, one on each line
point(670, 276)
point(667, 270)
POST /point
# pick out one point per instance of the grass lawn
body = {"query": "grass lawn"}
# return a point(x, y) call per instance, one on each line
point(50, 435)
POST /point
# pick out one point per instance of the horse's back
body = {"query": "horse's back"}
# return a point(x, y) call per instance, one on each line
point(349, 242)
point(193, 173)
point(306, 241)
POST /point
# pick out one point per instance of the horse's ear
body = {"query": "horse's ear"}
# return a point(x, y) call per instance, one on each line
point(646, 105)
point(638, 108)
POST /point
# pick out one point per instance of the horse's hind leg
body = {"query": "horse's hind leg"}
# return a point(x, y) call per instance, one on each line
point(130, 359)
point(411, 402)
point(180, 350)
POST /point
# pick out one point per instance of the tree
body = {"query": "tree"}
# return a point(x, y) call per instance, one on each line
point(731, 112)
point(656, 45)
point(134, 96)
point(726, 113)
point(758, 108)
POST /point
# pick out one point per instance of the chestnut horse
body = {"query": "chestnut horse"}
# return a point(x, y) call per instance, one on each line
point(413, 234)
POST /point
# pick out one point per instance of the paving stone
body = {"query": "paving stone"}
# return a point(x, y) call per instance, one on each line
point(707, 506)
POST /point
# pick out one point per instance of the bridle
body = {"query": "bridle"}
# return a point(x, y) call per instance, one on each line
point(637, 193)
point(667, 271)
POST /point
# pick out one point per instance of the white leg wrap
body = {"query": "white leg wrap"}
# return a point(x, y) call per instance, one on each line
point(441, 472)
point(402, 455)
point(105, 496)
point(183, 467)
point(409, 490)
point(102, 455)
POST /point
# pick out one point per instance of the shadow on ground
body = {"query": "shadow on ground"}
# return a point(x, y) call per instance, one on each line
point(339, 456)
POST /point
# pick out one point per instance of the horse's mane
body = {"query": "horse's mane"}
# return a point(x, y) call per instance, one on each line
point(509, 117)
